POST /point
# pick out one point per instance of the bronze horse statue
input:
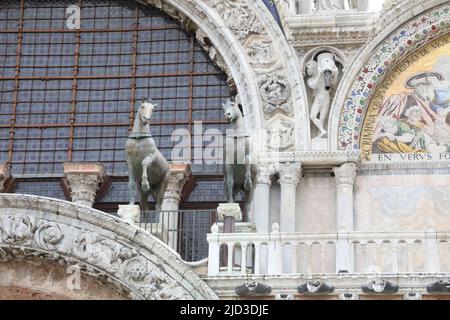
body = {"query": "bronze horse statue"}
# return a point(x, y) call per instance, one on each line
point(146, 165)
point(238, 176)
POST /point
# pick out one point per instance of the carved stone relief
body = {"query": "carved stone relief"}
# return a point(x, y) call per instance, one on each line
point(60, 241)
point(275, 93)
point(280, 133)
point(239, 18)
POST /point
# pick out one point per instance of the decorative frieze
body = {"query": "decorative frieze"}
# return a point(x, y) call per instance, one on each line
point(100, 245)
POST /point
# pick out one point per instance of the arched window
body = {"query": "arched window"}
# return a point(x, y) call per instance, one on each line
point(70, 94)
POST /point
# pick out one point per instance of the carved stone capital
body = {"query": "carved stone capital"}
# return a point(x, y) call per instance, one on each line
point(179, 174)
point(290, 173)
point(229, 210)
point(345, 174)
point(84, 180)
point(4, 175)
point(265, 174)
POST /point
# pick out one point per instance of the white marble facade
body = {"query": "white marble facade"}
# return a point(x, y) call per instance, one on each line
point(319, 208)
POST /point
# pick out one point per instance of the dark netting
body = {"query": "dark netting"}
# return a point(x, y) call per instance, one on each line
point(70, 95)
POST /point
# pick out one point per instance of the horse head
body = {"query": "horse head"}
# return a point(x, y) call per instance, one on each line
point(231, 111)
point(146, 110)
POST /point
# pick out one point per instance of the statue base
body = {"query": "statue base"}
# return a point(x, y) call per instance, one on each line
point(230, 213)
point(129, 213)
point(232, 210)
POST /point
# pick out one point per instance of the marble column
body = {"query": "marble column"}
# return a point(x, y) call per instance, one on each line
point(84, 179)
point(345, 179)
point(4, 175)
point(290, 175)
point(261, 200)
point(179, 175)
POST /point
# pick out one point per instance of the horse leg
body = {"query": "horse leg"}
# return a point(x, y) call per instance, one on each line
point(131, 183)
point(143, 200)
point(159, 197)
point(248, 183)
point(248, 201)
point(145, 164)
point(229, 183)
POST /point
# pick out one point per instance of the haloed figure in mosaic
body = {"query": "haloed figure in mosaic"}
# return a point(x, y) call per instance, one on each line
point(416, 122)
point(146, 164)
point(240, 174)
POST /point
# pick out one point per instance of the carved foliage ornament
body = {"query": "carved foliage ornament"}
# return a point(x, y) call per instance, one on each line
point(20, 235)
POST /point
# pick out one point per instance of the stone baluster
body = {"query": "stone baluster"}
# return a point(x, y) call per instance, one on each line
point(179, 175)
point(432, 264)
point(275, 263)
point(84, 179)
point(4, 175)
point(258, 259)
point(345, 179)
point(244, 246)
point(214, 252)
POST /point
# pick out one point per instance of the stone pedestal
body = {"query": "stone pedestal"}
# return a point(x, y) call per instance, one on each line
point(84, 179)
point(4, 175)
point(129, 213)
point(229, 213)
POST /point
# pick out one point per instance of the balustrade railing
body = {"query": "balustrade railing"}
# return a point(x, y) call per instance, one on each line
point(355, 252)
point(183, 230)
point(312, 6)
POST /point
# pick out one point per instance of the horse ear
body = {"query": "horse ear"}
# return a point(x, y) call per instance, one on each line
point(240, 108)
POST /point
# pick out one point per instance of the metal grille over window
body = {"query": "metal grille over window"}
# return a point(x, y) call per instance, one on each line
point(70, 94)
point(75, 91)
